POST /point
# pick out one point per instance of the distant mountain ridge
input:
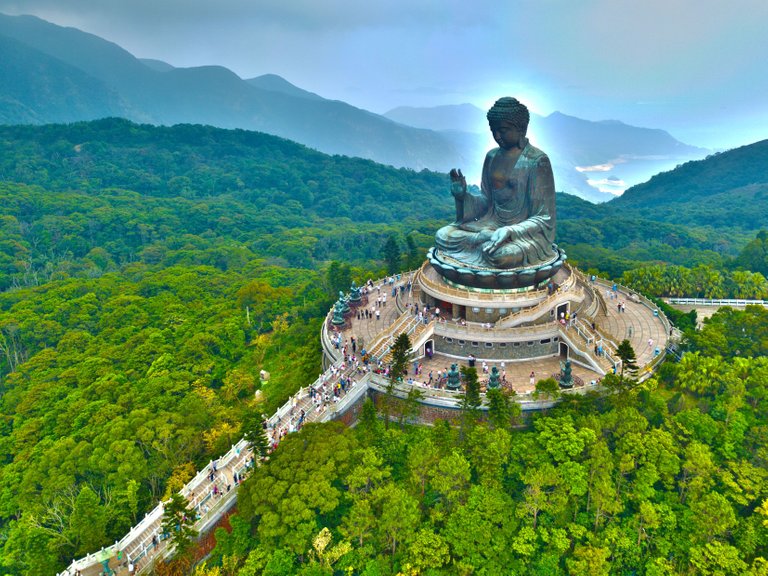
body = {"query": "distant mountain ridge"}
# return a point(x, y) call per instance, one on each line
point(594, 160)
point(452, 117)
point(153, 93)
point(60, 74)
point(37, 88)
point(727, 189)
point(275, 83)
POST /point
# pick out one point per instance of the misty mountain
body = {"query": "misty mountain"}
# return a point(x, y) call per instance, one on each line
point(37, 88)
point(594, 160)
point(727, 189)
point(275, 83)
point(608, 155)
point(58, 74)
point(158, 65)
point(450, 118)
point(152, 93)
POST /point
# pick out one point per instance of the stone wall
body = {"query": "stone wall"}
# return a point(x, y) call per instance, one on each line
point(536, 348)
point(351, 413)
point(428, 413)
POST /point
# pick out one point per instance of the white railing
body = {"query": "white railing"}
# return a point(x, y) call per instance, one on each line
point(737, 302)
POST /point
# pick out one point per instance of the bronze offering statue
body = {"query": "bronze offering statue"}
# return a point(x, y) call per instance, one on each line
point(504, 236)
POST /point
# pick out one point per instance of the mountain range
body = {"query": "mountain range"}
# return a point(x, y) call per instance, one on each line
point(57, 74)
point(594, 160)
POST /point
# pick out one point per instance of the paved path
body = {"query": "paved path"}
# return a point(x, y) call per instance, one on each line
point(138, 546)
point(638, 324)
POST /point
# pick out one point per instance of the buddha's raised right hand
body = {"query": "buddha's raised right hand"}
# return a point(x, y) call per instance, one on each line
point(458, 184)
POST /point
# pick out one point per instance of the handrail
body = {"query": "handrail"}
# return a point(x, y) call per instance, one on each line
point(453, 330)
point(716, 301)
point(445, 289)
point(407, 327)
point(549, 302)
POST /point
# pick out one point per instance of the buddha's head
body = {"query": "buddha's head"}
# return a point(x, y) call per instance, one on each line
point(508, 119)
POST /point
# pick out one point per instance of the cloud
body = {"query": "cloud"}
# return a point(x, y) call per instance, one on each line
point(611, 185)
point(595, 168)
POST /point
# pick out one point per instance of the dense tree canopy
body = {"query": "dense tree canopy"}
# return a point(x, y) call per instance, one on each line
point(667, 478)
point(148, 274)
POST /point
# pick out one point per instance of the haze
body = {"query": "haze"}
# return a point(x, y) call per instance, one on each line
point(692, 67)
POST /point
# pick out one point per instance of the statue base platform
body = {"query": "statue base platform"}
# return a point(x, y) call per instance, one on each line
point(495, 278)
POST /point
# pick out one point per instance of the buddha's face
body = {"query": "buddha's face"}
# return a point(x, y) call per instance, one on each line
point(506, 134)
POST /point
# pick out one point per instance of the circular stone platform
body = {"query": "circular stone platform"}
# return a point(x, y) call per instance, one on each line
point(495, 278)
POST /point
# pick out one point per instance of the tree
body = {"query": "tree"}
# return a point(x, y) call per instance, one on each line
point(324, 555)
point(428, 551)
point(470, 404)
point(177, 523)
point(359, 522)
point(368, 426)
point(423, 455)
point(401, 355)
point(301, 484)
point(754, 256)
point(711, 517)
point(281, 563)
point(450, 479)
point(628, 359)
point(88, 522)
point(253, 432)
point(369, 473)
point(338, 278)
point(414, 257)
point(398, 515)
point(548, 388)
point(489, 452)
point(537, 495)
point(501, 409)
point(412, 407)
point(391, 254)
point(479, 532)
point(590, 561)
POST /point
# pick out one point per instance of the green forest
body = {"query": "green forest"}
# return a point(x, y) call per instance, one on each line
point(148, 274)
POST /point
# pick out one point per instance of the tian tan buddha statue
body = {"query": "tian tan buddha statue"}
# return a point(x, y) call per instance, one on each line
point(502, 237)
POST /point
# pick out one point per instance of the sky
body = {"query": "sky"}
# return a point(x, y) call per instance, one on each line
point(696, 68)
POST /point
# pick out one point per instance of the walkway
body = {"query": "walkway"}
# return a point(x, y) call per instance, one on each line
point(145, 540)
point(646, 331)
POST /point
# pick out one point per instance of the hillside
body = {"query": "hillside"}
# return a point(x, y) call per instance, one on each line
point(276, 195)
point(161, 94)
point(725, 189)
point(287, 201)
point(148, 273)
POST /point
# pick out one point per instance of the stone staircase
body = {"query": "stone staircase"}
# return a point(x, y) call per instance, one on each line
point(406, 322)
point(418, 335)
point(562, 294)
